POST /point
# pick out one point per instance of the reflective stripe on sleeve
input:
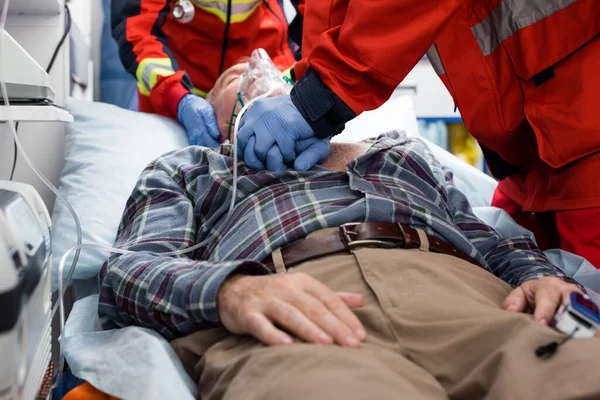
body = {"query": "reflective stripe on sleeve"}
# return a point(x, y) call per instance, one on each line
point(509, 17)
point(149, 70)
point(199, 92)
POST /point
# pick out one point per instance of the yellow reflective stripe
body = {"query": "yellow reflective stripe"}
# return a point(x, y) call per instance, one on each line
point(239, 17)
point(155, 72)
point(199, 92)
point(239, 12)
point(235, 18)
point(142, 89)
point(149, 68)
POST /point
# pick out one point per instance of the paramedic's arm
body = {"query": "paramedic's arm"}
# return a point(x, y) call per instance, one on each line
point(144, 53)
point(174, 296)
point(357, 66)
point(136, 26)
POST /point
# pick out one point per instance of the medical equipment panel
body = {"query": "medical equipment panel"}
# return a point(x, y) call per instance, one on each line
point(25, 304)
point(26, 80)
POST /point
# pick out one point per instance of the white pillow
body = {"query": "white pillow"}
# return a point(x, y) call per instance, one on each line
point(106, 149)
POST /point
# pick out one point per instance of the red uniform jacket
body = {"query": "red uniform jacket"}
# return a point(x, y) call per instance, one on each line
point(525, 76)
point(171, 59)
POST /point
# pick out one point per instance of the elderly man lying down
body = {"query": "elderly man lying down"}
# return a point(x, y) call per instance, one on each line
point(369, 277)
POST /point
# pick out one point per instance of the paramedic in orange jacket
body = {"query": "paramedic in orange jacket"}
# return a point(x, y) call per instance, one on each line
point(176, 62)
point(525, 76)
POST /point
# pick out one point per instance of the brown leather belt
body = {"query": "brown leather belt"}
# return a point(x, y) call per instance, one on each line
point(385, 235)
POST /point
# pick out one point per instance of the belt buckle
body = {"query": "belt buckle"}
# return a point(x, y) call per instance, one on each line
point(351, 243)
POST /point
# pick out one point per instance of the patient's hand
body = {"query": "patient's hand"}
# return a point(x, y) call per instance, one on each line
point(544, 296)
point(297, 302)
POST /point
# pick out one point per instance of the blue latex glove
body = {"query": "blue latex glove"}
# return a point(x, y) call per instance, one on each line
point(198, 118)
point(273, 133)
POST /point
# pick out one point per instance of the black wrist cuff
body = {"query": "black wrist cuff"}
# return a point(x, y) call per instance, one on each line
point(324, 111)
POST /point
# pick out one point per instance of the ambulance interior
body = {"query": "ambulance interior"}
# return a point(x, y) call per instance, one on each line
point(85, 137)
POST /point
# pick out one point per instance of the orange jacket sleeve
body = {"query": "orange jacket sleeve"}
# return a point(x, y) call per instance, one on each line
point(361, 61)
point(144, 52)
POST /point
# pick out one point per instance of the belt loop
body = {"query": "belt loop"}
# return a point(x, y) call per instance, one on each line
point(278, 263)
point(406, 236)
point(424, 241)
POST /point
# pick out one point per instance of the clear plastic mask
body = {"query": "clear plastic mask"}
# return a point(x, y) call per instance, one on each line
point(260, 76)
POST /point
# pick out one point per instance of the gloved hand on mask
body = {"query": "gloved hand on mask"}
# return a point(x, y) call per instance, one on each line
point(198, 118)
point(273, 133)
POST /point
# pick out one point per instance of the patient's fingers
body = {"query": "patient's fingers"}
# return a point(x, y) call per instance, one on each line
point(335, 304)
point(550, 293)
point(544, 295)
point(296, 302)
point(297, 322)
point(261, 328)
point(352, 300)
point(324, 318)
point(547, 300)
point(515, 301)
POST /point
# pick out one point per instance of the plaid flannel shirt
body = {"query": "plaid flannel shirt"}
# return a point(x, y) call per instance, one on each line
point(183, 198)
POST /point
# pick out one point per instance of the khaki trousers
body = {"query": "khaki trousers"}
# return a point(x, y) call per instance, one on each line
point(436, 331)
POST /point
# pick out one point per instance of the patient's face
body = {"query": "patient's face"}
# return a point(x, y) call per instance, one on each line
point(223, 97)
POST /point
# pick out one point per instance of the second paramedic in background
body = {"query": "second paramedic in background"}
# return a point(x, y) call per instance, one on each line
point(523, 74)
point(176, 62)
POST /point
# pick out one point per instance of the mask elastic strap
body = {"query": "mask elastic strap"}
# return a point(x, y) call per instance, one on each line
point(234, 115)
point(288, 80)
